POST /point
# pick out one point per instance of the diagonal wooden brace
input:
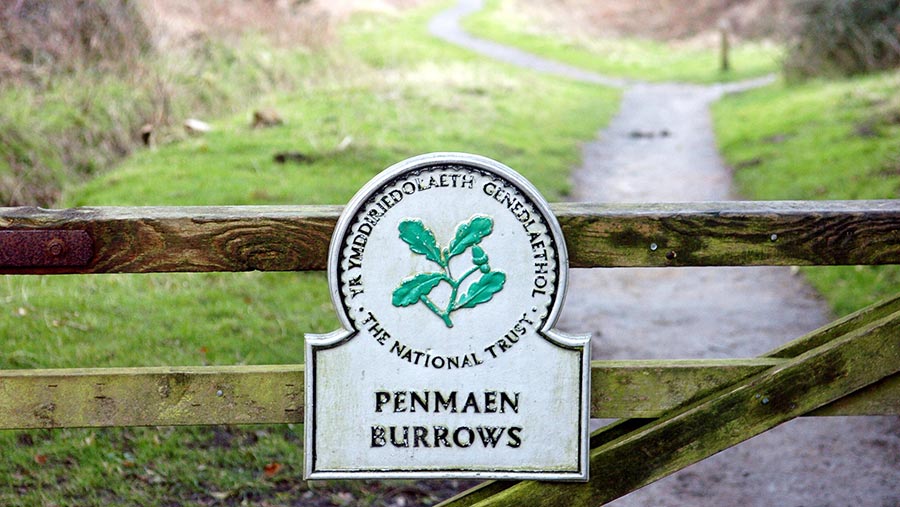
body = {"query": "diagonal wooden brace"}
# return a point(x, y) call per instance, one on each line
point(827, 365)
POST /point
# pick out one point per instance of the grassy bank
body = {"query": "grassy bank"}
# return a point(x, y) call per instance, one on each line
point(641, 59)
point(397, 93)
point(61, 128)
point(820, 140)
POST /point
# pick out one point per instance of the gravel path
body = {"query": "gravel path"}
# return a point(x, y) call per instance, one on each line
point(660, 147)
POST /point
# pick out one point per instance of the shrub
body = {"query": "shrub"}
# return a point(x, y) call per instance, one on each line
point(67, 35)
point(844, 37)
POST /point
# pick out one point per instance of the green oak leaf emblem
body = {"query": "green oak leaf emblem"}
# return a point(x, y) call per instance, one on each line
point(468, 235)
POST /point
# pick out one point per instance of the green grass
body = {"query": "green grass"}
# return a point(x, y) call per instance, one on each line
point(396, 93)
point(820, 140)
point(408, 94)
point(73, 126)
point(154, 320)
point(634, 58)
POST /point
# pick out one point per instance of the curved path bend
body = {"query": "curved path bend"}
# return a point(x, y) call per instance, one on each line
point(660, 147)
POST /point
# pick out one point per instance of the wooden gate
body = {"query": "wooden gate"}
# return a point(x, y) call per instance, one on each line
point(673, 413)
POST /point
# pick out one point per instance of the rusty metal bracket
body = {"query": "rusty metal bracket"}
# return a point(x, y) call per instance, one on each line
point(27, 248)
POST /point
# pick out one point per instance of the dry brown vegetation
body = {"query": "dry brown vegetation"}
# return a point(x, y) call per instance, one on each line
point(66, 35)
point(69, 35)
point(661, 19)
point(284, 23)
point(62, 36)
point(844, 38)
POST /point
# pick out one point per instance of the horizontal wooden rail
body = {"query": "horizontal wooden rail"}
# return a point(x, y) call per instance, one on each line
point(151, 396)
point(289, 238)
point(274, 394)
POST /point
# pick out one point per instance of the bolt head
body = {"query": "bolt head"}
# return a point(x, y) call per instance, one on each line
point(56, 247)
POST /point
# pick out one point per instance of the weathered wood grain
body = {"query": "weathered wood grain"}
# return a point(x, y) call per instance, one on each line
point(151, 396)
point(723, 419)
point(289, 238)
point(646, 389)
point(649, 389)
point(188, 239)
point(732, 233)
point(274, 394)
point(880, 398)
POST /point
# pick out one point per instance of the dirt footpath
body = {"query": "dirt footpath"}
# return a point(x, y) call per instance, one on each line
point(660, 147)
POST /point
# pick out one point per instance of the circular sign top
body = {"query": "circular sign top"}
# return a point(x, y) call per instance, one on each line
point(446, 252)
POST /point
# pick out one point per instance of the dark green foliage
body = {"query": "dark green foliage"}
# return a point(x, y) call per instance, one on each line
point(844, 37)
point(420, 240)
point(412, 289)
point(483, 290)
point(470, 233)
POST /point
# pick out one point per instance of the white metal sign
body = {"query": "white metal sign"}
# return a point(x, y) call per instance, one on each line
point(448, 272)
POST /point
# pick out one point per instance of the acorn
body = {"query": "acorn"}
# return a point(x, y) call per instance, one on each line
point(478, 256)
